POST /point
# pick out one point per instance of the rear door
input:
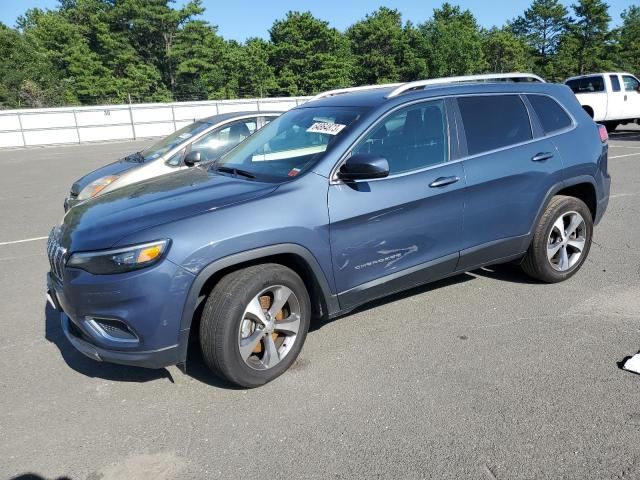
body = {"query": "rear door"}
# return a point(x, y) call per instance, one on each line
point(592, 95)
point(391, 233)
point(617, 98)
point(508, 172)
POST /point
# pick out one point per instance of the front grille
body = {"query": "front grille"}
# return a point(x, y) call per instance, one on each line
point(57, 253)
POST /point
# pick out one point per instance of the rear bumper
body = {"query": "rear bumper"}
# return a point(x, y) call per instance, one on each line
point(603, 202)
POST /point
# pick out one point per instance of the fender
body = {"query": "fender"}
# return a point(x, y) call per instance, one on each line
point(569, 182)
point(192, 302)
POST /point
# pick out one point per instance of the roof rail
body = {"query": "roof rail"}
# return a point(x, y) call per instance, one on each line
point(339, 91)
point(467, 78)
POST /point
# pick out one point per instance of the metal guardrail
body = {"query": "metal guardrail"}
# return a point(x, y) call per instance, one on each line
point(30, 127)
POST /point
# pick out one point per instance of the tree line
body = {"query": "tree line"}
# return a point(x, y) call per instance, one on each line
point(87, 52)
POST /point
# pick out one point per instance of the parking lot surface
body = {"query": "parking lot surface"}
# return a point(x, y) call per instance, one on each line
point(485, 375)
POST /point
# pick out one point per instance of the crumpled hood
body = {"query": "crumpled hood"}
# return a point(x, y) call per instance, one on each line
point(116, 168)
point(102, 221)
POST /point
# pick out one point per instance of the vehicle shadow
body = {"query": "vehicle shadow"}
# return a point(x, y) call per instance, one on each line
point(625, 134)
point(198, 370)
point(317, 324)
point(195, 367)
point(507, 272)
point(35, 476)
point(92, 368)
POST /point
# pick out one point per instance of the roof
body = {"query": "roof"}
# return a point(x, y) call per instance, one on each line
point(597, 73)
point(223, 117)
point(371, 95)
point(377, 97)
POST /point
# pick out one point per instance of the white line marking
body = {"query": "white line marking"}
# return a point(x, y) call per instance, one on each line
point(23, 241)
point(618, 195)
point(618, 156)
point(624, 146)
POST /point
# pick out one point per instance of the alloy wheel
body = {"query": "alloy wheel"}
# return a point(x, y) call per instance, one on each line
point(269, 327)
point(567, 240)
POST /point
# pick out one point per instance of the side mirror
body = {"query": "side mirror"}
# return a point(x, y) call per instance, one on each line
point(364, 166)
point(192, 158)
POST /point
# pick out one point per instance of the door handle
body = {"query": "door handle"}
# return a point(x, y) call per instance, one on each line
point(541, 157)
point(443, 181)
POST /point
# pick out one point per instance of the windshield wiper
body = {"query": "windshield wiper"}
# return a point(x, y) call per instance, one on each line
point(235, 171)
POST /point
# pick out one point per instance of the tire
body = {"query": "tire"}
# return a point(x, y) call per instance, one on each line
point(540, 261)
point(238, 311)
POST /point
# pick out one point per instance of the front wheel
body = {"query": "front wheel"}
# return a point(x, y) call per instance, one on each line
point(254, 324)
point(561, 240)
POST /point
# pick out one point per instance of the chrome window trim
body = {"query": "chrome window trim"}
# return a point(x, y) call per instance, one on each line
point(334, 180)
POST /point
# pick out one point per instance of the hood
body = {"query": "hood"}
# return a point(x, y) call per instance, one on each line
point(116, 168)
point(102, 221)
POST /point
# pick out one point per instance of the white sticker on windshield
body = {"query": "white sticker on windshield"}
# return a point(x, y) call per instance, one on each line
point(185, 135)
point(325, 127)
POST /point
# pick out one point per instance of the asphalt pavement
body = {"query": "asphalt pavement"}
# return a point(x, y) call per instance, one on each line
point(486, 375)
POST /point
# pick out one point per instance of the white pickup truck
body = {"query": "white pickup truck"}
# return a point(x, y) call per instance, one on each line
point(610, 98)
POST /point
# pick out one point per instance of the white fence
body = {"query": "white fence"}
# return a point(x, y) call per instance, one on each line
point(54, 126)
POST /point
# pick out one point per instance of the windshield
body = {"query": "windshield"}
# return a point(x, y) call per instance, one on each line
point(290, 144)
point(176, 138)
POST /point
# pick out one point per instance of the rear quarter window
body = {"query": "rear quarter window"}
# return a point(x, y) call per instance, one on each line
point(551, 115)
point(494, 121)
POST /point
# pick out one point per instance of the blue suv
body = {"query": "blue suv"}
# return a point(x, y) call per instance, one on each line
point(347, 198)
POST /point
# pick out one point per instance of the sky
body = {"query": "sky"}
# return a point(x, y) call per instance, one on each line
point(240, 19)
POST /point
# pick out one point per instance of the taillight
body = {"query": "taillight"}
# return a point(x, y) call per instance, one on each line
point(604, 136)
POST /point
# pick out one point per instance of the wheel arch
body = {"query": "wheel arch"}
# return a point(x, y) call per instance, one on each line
point(299, 259)
point(589, 110)
point(582, 187)
point(585, 191)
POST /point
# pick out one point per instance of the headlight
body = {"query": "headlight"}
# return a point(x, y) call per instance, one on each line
point(95, 187)
point(119, 260)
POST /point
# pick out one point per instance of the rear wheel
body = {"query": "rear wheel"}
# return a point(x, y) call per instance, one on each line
point(254, 324)
point(561, 241)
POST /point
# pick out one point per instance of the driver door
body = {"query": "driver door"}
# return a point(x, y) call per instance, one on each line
point(396, 232)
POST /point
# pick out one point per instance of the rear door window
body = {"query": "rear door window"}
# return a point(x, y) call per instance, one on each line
point(615, 83)
point(551, 115)
point(494, 121)
point(591, 84)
